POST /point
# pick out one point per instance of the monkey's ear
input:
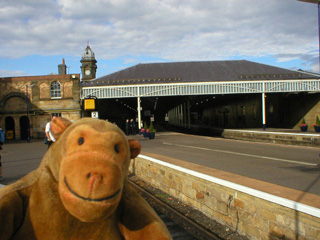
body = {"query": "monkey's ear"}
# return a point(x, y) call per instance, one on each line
point(58, 126)
point(135, 148)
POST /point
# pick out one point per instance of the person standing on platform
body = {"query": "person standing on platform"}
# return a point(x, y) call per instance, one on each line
point(140, 127)
point(133, 127)
point(49, 136)
point(127, 127)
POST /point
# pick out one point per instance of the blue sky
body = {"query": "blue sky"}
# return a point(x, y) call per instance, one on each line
point(37, 35)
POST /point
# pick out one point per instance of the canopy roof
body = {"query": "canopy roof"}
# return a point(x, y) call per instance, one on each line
point(187, 72)
point(199, 78)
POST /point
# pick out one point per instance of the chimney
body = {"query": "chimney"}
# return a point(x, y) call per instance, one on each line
point(62, 68)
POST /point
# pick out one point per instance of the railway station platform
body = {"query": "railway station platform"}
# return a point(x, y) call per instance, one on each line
point(271, 135)
point(253, 208)
point(257, 209)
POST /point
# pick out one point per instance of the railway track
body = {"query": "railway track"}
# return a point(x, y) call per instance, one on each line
point(180, 226)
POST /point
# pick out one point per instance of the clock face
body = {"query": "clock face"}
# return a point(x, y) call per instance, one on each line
point(87, 72)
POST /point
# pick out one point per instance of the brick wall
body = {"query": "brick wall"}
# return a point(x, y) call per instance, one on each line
point(310, 117)
point(251, 212)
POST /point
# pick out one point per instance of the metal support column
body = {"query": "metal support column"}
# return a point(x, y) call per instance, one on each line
point(139, 110)
point(181, 115)
point(184, 112)
point(27, 99)
point(264, 111)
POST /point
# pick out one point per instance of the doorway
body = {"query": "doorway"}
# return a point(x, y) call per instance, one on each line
point(24, 127)
point(10, 128)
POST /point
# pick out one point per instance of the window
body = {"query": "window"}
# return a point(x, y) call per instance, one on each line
point(55, 115)
point(55, 90)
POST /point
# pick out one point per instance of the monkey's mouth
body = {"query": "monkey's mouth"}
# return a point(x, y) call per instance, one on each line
point(90, 199)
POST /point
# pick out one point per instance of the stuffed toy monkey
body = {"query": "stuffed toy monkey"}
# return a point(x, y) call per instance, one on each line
point(80, 190)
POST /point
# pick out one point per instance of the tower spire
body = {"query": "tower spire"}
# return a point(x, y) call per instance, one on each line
point(88, 64)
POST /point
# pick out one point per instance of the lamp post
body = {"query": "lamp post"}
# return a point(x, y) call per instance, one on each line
point(27, 99)
point(318, 3)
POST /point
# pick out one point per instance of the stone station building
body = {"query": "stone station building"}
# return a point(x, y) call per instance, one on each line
point(34, 99)
point(27, 103)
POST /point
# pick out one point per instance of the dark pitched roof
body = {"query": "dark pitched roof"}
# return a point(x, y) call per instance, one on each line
point(208, 71)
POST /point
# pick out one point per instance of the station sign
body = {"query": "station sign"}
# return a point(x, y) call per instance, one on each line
point(95, 114)
point(89, 104)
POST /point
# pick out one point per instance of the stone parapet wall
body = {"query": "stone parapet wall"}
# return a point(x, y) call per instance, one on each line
point(302, 139)
point(253, 213)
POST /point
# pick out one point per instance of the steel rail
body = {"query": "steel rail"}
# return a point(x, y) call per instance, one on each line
point(186, 223)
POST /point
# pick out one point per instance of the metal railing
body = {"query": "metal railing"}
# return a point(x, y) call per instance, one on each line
point(201, 88)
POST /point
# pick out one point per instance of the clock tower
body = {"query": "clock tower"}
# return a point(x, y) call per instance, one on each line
point(88, 64)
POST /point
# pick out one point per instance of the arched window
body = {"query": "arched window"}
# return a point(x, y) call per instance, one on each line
point(55, 89)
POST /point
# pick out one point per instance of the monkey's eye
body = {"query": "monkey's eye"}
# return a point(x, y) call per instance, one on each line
point(116, 148)
point(80, 140)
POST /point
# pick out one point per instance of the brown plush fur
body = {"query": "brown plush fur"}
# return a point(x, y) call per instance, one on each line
point(80, 190)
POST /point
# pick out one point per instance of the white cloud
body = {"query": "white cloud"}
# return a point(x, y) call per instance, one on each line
point(169, 29)
point(5, 73)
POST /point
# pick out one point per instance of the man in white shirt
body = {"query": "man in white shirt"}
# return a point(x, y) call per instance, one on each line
point(50, 138)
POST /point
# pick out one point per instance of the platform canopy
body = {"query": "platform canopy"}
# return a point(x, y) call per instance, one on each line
point(199, 78)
